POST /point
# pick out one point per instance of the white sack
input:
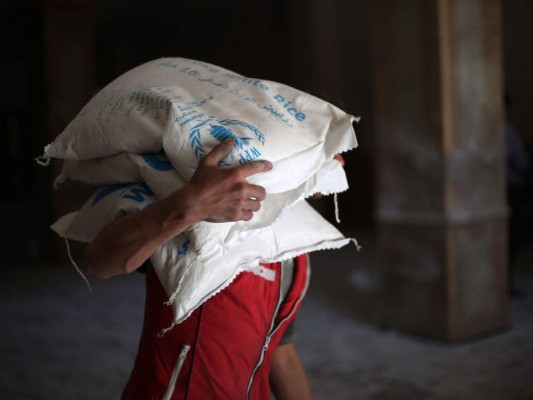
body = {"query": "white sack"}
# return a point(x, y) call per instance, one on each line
point(105, 205)
point(209, 240)
point(187, 280)
point(186, 107)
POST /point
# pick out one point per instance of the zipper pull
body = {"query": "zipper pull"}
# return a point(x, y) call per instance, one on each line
point(185, 349)
point(267, 342)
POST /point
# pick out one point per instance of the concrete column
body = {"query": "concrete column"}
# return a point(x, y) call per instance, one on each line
point(440, 167)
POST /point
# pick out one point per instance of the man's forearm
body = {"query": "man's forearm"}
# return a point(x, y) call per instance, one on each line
point(213, 194)
point(125, 244)
point(288, 380)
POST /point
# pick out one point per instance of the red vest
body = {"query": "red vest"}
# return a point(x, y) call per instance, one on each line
point(224, 349)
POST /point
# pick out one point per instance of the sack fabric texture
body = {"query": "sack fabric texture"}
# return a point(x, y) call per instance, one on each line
point(143, 135)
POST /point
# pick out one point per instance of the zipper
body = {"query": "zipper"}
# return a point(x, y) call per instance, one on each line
point(176, 373)
point(272, 331)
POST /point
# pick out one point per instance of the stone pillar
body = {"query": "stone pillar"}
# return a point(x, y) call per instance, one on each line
point(440, 151)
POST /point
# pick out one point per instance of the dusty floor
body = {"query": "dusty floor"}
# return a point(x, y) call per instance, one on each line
point(61, 342)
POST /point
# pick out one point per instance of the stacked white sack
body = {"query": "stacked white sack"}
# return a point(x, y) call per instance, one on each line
point(184, 108)
point(186, 279)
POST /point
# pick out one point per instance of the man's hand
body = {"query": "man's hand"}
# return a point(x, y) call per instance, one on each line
point(222, 194)
point(213, 194)
point(339, 158)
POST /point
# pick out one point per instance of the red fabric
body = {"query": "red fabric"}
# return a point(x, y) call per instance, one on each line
point(226, 335)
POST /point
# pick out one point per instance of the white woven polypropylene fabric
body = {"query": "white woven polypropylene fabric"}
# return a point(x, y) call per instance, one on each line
point(154, 123)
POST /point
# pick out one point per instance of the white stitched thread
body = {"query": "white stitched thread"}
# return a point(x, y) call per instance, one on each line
point(77, 268)
point(336, 208)
point(44, 160)
point(165, 330)
point(356, 244)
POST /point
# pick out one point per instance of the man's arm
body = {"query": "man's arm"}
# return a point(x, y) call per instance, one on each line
point(213, 194)
point(288, 380)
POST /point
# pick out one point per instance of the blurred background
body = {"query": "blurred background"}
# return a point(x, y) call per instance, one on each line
point(436, 305)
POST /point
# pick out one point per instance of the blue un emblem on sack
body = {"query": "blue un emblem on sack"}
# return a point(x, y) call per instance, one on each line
point(243, 142)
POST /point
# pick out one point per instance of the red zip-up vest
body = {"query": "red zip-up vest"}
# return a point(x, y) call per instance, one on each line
point(224, 349)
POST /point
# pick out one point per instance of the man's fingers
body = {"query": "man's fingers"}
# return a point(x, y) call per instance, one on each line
point(235, 214)
point(339, 158)
point(256, 192)
point(219, 152)
point(222, 150)
point(255, 167)
point(246, 215)
point(251, 205)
